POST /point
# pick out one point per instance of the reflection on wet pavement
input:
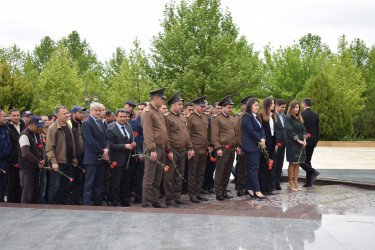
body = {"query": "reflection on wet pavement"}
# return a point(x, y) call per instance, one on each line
point(321, 217)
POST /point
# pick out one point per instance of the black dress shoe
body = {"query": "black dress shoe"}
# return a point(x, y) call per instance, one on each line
point(202, 198)
point(172, 203)
point(137, 200)
point(109, 203)
point(307, 184)
point(159, 205)
point(181, 202)
point(278, 186)
point(271, 193)
point(117, 204)
point(161, 195)
point(239, 194)
point(211, 191)
point(227, 196)
point(220, 198)
point(194, 199)
point(313, 177)
point(260, 197)
point(143, 205)
point(127, 204)
point(204, 192)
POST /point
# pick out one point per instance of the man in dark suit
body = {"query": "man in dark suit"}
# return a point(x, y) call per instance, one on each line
point(121, 142)
point(137, 127)
point(96, 144)
point(16, 126)
point(280, 139)
point(311, 123)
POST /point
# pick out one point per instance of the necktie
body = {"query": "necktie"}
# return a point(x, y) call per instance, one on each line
point(281, 119)
point(125, 134)
point(98, 123)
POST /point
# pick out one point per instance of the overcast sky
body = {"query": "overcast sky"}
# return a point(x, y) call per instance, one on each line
point(109, 24)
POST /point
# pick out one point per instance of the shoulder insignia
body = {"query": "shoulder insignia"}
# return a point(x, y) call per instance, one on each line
point(147, 109)
point(166, 114)
point(215, 115)
point(188, 115)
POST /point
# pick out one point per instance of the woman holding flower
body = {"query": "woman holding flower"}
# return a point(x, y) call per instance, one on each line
point(253, 139)
point(266, 170)
point(295, 141)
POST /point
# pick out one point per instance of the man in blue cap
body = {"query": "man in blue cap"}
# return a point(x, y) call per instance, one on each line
point(77, 173)
point(31, 158)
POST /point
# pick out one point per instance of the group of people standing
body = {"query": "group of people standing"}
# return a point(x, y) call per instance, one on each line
point(93, 154)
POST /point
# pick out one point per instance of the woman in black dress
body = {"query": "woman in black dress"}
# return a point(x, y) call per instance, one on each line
point(269, 119)
point(295, 141)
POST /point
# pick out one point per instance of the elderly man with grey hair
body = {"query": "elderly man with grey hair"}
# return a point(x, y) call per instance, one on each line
point(96, 148)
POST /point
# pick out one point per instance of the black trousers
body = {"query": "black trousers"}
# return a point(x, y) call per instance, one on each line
point(140, 169)
point(29, 179)
point(208, 181)
point(14, 186)
point(77, 184)
point(120, 185)
point(60, 185)
point(306, 166)
point(278, 165)
point(265, 175)
point(184, 188)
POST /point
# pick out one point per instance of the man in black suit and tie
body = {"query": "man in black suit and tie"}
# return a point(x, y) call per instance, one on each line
point(121, 142)
point(96, 144)
point(311, 123)
point(280, 139)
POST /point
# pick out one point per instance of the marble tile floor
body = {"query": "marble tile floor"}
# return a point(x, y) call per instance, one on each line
point(321, 217)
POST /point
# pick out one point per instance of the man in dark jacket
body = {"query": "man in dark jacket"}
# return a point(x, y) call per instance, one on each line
point(280, 139)
point(120, 137)
point(137, 127)
point(311, 123)
point(5, 150)
point(31, 158)
point(16, 126)
point(77, 172)
point(96, 145)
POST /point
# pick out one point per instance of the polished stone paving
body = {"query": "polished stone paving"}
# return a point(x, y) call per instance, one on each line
point(321, 217)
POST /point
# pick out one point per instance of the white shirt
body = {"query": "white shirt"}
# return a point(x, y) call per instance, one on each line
point(255, 116)
point(272, 125)
point(18, 127)
point(24, 140)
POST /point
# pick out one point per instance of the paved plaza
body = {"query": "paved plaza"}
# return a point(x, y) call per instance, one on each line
point(321, 217)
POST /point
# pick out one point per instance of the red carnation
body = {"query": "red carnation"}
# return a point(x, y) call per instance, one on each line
point(269, 168)
point(135, 133)
point(227, 147)
point(40, 145)
point(114, 163)
point(4, 171)
point(279, 144)
point(109, 176)
point(270, 163)
point(16, 165)
point(166, 168)
point(84, 171)
point(71, 179)
point(308, 135)
point(207, 154)
point(212, 159)
point(132, 119)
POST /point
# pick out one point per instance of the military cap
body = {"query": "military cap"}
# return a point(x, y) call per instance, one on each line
point(158, 92)
point(226, 101)
point(244, 101)
point(131, 103)
point(175, 98)
point(201, 101)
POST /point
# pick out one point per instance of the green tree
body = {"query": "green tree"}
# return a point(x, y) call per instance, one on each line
point(132, 81)
point(14, 91)
point(14, 57)
point(42, 53)
point(346, 79)
point(335, 120)
point(59, 84)
point(199, 52)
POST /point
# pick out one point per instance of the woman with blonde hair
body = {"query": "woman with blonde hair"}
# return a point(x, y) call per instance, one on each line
point(295, 141)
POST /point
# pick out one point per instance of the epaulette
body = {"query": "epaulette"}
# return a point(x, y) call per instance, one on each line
point(215, 115)
point(166, 114)
point(147, 109)
point(188, 115)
